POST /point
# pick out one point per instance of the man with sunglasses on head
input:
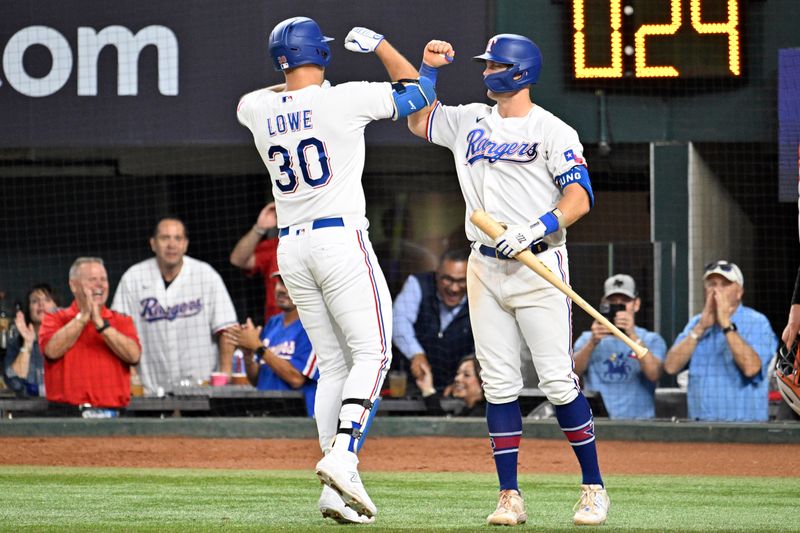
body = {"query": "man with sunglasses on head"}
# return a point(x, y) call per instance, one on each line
point(728, 347)
point(431, 319)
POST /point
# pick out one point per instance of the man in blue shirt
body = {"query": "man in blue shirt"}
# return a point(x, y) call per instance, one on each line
point(431, 319)
point(626, 383)
point(728, 347)
point(279, 356)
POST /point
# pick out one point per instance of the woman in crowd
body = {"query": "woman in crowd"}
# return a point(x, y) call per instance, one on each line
point(467, 386)
point(24, 364)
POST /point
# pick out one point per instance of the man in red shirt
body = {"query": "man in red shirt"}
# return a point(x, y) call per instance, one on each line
point(88, 348)
point(257, 253)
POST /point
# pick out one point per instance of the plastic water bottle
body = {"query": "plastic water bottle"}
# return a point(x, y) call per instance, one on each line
point(238, 362)
point(5, 325)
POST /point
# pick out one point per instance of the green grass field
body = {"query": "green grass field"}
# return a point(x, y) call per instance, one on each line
point(116, 499)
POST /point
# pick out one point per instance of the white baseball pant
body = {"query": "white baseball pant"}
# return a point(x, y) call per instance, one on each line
point(510, 305)
point(333, 277)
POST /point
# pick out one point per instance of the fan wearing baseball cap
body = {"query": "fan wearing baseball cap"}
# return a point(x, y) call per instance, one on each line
point(279, 356)
point(728, 347)
point(626, 383)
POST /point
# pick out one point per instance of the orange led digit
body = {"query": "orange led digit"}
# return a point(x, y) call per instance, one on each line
point(643, 70)
point(579, 42)
point(650, 43)
point(730, 27)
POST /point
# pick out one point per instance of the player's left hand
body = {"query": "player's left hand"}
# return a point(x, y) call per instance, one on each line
point(438, 53)
point(518, 237)
point(792, 326)
point(362, 40)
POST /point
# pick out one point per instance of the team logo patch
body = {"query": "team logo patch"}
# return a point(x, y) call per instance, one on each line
point(480, 146)
point(569, 155)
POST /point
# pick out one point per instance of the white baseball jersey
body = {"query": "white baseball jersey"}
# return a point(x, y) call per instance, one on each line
point(176, 324)
point(506, 166)
point(312, 142)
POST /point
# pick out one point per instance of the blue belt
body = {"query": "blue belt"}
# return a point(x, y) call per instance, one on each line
point(317, 224)
point(488, 251)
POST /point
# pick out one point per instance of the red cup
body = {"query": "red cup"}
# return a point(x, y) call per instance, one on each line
point(218, 379)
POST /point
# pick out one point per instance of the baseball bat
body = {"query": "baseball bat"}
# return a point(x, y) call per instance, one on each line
point(494, 229)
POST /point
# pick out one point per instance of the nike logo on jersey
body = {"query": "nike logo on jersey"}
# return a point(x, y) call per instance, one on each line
point(480, 146)
point(478, 119)
point(152, 311)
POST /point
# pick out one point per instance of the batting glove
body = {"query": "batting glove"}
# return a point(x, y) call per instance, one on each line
point(519, 237)
point(362, 40)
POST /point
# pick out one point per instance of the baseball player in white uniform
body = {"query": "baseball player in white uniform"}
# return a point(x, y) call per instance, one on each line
point(525, 167)
point(311, 138)
point(179, 305)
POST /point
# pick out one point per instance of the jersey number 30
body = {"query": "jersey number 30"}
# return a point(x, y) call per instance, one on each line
point(287, 183)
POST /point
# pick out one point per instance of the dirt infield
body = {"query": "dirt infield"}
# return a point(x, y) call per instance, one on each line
point(430, 454)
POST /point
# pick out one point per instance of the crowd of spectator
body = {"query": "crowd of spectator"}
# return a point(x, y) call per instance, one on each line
point(172, 323)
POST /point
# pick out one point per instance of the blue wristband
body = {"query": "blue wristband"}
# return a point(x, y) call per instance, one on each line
point(550, 222)
point(429, 72)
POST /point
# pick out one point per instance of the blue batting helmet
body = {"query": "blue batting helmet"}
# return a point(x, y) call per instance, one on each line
point(520, 53)
point(298, 41)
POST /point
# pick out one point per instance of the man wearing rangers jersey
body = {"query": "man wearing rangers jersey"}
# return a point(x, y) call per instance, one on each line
point(179, 305)
point(311, 138)
point(524, 166)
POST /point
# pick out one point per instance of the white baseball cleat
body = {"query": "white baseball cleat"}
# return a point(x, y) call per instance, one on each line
point(339, 470)
point(332, 506)
point(592, 509)
point(510, 510)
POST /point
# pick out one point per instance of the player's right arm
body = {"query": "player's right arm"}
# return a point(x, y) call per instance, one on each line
point(793, 322)
point(436, 54)
point(410, 93)
point(364, 40)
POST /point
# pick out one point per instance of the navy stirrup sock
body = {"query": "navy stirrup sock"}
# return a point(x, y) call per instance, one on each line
point(505, 432)
point(575, 420)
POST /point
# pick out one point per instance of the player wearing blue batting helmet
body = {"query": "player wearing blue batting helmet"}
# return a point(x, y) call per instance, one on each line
point(521, 55)
point(298, 41)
